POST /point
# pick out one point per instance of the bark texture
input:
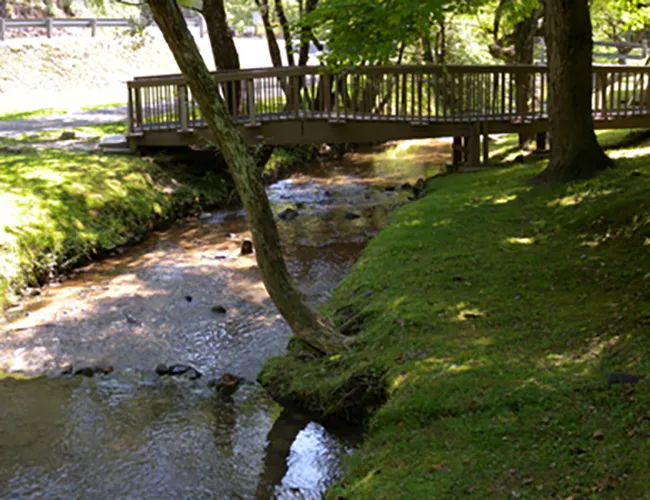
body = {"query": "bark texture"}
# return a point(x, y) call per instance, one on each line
point(575, 152)
point(306, 323)
point(223, 46)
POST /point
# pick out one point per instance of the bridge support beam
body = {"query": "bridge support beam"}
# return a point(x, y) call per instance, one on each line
point(474, 145)
point(457, 152)
point(540, 142)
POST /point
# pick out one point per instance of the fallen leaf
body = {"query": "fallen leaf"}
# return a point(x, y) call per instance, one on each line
point(440, 467)
point(598, 434)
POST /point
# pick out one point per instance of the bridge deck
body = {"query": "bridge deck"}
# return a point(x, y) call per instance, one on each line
point(313, 105)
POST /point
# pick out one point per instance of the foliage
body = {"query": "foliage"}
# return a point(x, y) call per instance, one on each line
point(494, 312)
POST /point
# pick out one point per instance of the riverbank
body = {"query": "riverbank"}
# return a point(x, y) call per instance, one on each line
point(490, 314)
point(63, 209)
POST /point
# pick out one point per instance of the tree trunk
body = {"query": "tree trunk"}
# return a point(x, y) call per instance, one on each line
point(575, 152)
point(286, 31)
point(223, 47)
point(274, 49)
point(306, 323)
point(427, 52)
point(524, 34)
point(306, 34)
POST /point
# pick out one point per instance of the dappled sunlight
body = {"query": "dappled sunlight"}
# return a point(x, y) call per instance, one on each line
point(637, 152)
point(520, 240)
point(469, 313)
point(441, 223)
point(573, 359)
point(505, 199)
point(577, 198)
point(399, 380)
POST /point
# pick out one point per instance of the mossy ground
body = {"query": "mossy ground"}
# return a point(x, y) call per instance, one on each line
point(60, 209)
point(492, 312)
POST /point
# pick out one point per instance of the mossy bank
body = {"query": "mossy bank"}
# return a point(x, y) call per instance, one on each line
point(63, 209)
point(490, 314)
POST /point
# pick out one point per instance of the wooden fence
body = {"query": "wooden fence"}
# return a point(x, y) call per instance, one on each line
point(50, 24)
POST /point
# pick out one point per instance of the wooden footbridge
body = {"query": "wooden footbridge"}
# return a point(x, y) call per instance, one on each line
point(283, 106)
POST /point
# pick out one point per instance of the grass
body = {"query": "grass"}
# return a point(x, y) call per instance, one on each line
point(491, 313)
point(505, 147)
point(60, 209)
point(26, 115)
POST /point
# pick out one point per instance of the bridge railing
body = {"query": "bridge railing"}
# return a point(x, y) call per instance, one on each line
point(419, 95)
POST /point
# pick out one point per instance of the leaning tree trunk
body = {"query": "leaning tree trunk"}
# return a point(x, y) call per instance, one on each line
point(306, 323)
point(575, 152)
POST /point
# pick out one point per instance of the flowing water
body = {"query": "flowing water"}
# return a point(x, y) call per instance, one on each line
point(133, 434)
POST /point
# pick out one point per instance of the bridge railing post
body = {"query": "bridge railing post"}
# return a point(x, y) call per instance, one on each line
point(49, 24)
point(3, 28)
point(182, 104)
point(250, 98)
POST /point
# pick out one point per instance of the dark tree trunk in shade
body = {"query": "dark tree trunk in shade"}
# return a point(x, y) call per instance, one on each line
point(306, 34)
point(271, 40)
point(223, 46)
point(575, 152)
point(286, 31)
point(306, 323)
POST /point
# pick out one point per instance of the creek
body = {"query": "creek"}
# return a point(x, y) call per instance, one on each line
point(133, 434)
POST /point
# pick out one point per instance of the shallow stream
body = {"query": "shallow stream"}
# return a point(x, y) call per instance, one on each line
point(133, 434)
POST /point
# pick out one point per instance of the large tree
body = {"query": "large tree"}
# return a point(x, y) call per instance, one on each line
point(575, 152)
point(306, 323)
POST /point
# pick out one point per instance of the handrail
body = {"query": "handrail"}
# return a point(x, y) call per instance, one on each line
point(244, 74)
point(415, 95)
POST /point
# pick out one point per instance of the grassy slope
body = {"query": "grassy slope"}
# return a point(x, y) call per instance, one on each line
point(492, 312)
point(59, 208)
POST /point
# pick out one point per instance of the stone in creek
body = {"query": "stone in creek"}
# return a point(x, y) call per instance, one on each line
point(67, 135)
point(162, 369)
point(219, 309)
point(288, 215)
point(178, 369)
point(351, 216)
point(227, 384)
point(89, 371)
point(406, 185)
point(300, 204)
point(419, 188)
point(194, 374)
point(246, 247)
point(389, 188)
point(188, 298)
point(67, 369)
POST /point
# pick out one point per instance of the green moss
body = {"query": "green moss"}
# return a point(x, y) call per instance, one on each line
point(60, 209)
point(491, 314)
